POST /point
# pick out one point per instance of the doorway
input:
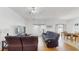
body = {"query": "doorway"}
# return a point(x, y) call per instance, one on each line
point(38, 29)
point(59, 29)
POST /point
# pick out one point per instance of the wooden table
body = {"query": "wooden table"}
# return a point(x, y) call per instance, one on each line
point(74, 35)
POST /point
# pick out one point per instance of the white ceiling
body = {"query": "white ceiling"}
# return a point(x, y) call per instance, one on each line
point(62, 13)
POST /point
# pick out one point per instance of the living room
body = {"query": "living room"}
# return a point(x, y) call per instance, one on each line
point(38, 20)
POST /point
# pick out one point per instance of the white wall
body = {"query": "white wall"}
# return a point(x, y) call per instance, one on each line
point(50, 22)
point(8, 20)
point(54, 22)
point(70, 25)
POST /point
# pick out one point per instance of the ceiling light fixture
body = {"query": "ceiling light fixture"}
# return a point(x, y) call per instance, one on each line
point(33, 10)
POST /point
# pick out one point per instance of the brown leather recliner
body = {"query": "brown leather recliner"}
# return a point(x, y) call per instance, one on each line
point(14, 43)
point(25, 43)
point(30, 43)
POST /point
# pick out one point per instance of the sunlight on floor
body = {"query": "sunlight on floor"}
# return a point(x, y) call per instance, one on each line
point(61, 41)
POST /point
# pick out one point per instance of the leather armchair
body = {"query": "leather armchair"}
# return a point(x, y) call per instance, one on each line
point(51, 39)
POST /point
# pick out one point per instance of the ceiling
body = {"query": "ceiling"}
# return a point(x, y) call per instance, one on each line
point(61, 13)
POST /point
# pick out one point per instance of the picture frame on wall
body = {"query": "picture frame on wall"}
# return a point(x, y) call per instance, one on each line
point(20, 30)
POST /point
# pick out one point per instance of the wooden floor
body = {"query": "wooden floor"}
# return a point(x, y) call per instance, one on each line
point(62, 46)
